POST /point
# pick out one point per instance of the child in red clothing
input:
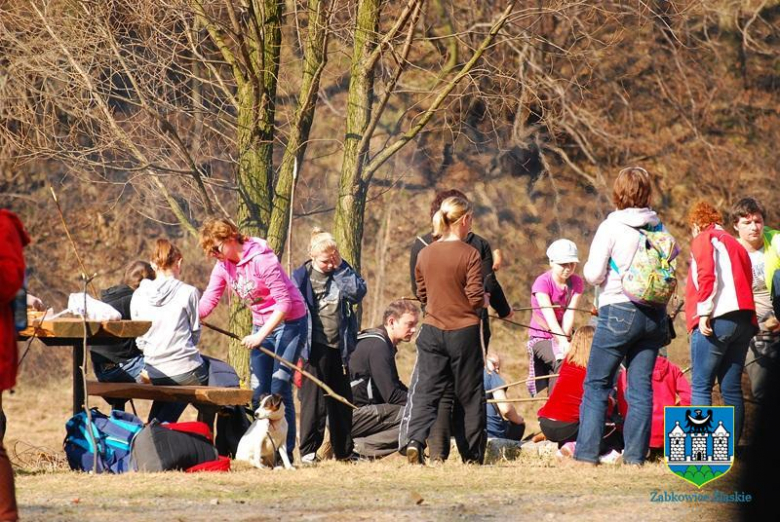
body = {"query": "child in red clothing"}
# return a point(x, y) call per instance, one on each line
point(670, 388)
point(559, 418)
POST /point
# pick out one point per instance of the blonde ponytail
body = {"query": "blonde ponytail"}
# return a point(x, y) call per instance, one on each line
point(451, 210)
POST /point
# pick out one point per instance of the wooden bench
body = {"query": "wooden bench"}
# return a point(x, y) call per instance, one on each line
point(195, 395)
point(199, 395)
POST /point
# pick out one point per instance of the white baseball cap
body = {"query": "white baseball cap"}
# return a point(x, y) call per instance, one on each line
point(563, 251)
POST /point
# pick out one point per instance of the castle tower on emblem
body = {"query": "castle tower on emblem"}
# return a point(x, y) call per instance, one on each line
point(677, 443)
point(720, 443)
point(699, 448)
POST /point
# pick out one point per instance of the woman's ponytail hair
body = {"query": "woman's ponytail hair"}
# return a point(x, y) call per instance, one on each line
point(320, 242)
point(452, 209)
point(165, 254)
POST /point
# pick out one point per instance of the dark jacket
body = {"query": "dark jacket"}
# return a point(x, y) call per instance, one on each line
point(119, 297)
point(351, 289)
point(497, 298)
point(373, 371)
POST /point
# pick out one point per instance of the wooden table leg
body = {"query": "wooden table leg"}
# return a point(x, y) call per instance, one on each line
point(78, 378)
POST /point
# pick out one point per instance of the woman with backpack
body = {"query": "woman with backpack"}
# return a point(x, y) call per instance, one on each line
point(625, 329)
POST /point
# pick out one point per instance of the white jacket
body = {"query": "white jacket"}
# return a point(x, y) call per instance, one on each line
point(616, 239)
point(170, 345)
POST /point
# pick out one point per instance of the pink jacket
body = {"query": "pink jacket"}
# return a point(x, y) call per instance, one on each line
point(669, 382)
point(258, 280)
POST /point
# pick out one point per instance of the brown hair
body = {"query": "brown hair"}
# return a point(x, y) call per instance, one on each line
point(444, 194)
point(452, 209)
point(398, 308)
point(218, 230)
point(632, 188)
point(136, 272)
point(165, 254)
point(746, 207)
point(320, 242)
point(579, 351)
point(702, 215)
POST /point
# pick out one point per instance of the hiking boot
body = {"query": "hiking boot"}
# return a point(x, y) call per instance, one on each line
point(414, 453)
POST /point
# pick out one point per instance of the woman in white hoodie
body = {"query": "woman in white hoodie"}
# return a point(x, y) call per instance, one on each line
point(171, 355)
point(624, 329)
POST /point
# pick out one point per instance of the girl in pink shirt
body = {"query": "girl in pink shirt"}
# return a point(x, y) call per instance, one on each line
point(250, 267)
point(554, 294)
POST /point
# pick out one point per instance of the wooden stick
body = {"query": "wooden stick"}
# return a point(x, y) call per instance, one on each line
point(528, 326)
point(539, 378)
point(526, 399)
point(328, 390)
point(73, 243)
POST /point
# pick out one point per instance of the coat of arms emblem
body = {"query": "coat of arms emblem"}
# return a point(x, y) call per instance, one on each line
point(698, 442)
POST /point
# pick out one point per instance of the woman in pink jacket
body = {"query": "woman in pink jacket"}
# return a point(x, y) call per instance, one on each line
point(250, 267)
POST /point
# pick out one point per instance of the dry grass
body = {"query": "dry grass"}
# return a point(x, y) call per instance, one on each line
point(529, 488)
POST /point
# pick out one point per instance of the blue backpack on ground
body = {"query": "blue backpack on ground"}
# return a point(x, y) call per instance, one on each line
point(112, 434)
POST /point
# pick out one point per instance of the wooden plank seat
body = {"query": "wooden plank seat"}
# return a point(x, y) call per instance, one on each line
point(198, 395)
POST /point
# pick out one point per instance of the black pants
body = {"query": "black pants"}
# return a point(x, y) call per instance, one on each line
point(375, 429)
point(545, 363)
point(448, 358)
point(325, 364)
point(559, 431)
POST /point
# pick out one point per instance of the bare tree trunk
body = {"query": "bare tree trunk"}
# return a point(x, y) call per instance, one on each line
point(348, 227)
point(314, 60)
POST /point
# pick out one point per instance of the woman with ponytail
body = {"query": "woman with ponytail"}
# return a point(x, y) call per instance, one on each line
point(449, 285)
point(170, 346)
point(331, 288)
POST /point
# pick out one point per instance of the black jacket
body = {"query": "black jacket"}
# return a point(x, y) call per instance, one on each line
point(497, 298)
point(373, 371)
point(119, 297)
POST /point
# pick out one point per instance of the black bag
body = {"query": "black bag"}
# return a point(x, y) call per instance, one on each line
point(157, 448)
point(232, 423)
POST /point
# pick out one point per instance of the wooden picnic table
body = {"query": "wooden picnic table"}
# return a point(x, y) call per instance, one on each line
point(69, 331)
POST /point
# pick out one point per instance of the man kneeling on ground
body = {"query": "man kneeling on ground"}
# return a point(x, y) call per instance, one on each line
point(377, 390)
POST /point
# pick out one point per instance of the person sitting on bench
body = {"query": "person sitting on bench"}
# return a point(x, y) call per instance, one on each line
point(377, 390)
point(121, 361)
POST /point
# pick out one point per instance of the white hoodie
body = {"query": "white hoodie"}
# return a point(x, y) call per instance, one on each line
point(170, 345)
point(616, 239)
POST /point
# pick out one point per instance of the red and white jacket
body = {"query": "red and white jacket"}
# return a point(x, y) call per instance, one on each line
point(720, 277)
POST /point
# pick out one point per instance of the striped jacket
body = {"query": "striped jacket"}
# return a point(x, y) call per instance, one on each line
point(720, 277)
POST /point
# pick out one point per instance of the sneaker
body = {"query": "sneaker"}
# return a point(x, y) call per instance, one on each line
point(567, 450)
point(310, 459)
point(613, 457)
point(414, 453)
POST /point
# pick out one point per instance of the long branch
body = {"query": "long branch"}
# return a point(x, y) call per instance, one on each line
point(328, 390)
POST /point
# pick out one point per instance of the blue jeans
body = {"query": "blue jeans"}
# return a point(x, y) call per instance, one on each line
point(126, 371)
point(722, 356)
point(171, 411)
point(271, 376)
point(624, 330)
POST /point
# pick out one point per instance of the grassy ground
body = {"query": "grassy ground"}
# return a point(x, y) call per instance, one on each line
point(532, 487)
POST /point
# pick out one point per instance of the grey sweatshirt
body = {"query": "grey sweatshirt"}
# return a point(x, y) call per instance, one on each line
point(170, 345)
